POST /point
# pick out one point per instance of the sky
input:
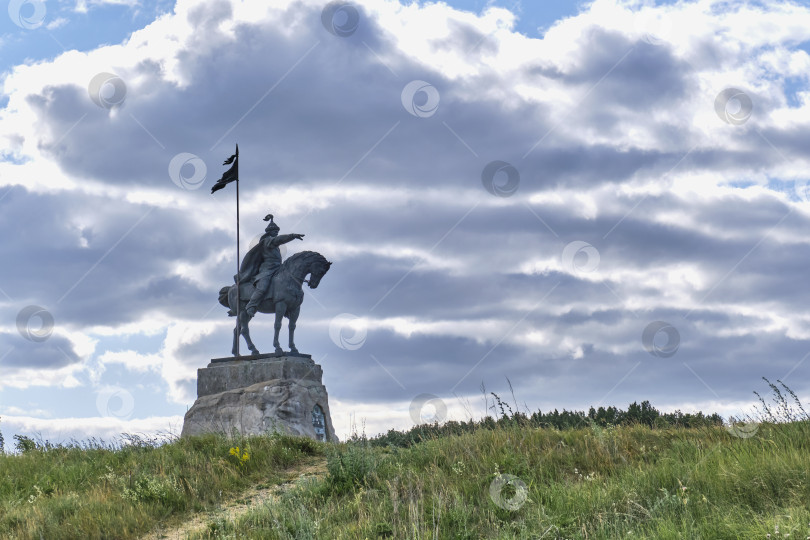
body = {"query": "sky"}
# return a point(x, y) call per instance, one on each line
point(565, 204)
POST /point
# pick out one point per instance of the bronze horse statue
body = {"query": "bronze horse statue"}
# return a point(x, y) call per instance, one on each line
point(284, 297)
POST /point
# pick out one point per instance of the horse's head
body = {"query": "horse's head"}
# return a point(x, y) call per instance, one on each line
point(318, 270)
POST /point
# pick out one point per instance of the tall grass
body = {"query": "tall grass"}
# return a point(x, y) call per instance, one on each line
point(126, 488)
point(503, 477)
point(513, 481)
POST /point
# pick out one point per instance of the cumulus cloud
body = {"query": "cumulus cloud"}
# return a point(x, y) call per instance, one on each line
point(680, 206)
point(83, 6)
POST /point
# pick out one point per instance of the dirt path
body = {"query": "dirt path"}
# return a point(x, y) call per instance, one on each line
point(247, 500)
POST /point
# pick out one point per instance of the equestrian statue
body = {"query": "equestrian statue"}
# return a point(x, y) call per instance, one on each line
point(268, 285)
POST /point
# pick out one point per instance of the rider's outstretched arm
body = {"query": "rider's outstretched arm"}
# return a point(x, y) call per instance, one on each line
point(284, 238)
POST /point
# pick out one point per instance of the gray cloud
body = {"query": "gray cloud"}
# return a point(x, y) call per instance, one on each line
point(18, 353)
point(310, 109)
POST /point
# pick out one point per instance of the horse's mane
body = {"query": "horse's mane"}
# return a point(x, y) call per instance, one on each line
point(302, 258)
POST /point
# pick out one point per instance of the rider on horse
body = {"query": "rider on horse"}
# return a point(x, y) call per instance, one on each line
point(263, 261)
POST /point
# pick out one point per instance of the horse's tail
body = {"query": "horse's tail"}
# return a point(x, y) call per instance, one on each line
point(223, 298)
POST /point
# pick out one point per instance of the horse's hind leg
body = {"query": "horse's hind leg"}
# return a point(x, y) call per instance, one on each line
point(291, 326)
point(246, 332)
point(235, 338)
point(236, 328)
point(281, 308)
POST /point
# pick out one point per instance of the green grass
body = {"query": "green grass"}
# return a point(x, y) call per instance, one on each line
point(625, 482)
point(518, 478)
point(503, 478)
point(97, 490)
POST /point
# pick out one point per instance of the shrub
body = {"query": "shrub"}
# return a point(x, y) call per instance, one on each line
point(24, 444)
point(349, 467)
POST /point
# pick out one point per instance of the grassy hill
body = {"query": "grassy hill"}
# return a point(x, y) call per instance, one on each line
point(507, 477)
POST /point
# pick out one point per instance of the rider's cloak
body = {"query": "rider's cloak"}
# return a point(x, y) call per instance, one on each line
point(252, 262)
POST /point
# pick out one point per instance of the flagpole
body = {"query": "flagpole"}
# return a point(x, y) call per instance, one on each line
point(238, 296)
point(229, 176)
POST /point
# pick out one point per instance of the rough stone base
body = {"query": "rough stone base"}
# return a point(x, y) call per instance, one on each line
point(258, 396)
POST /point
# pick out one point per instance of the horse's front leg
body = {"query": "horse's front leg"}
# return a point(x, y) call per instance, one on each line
point(281, 308)
point(293, 317)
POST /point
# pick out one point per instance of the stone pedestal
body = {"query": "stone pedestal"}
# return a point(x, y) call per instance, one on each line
point(259, 394)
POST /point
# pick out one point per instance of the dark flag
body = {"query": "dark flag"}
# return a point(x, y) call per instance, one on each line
point(231, 174)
